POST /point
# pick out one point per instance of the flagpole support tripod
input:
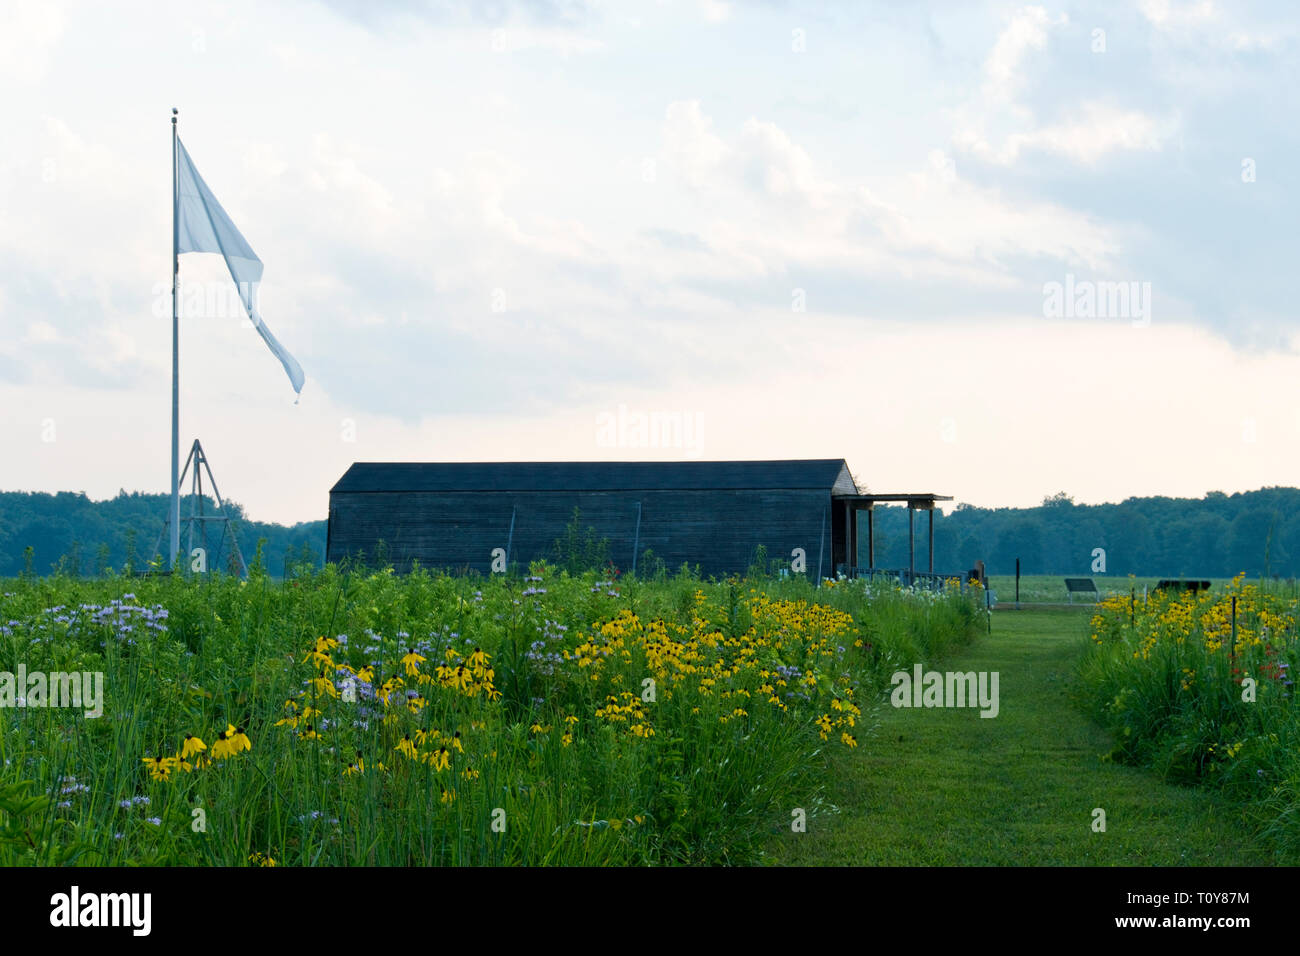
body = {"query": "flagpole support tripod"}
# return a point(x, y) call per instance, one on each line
point(198, 461)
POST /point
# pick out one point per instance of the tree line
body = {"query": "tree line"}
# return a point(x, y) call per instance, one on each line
point(1219, 535)
point(67, 532)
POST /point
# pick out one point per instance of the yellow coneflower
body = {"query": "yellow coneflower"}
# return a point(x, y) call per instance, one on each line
point(366, 673)
point(192, 746)
point(848, 739)
point(390, 687)
point(320, 658)
point(824, 725)
point(222, 747)
point(160, 767)
point(406, 746)
point(448, 796)
point(230, 742)
point(455, 742)
point(412, 661)
point(440, 759)
point(324, 685)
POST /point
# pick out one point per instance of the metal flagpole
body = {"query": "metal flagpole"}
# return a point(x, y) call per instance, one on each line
point(176, 365)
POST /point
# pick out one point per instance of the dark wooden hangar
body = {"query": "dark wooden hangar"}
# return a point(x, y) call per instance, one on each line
point(714, 514)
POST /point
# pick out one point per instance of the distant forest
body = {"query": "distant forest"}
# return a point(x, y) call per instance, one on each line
point(1220, 535)
point(1257, 532)
point(69, 532)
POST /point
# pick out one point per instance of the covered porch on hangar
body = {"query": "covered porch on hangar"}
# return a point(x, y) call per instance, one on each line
point(845, 546)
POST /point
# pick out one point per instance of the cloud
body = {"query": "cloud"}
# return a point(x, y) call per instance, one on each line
point(934, 223)
point(691, 147)
point(715, 11)
point(451, 12)
point(1097, 131)
point(560, 26)
point(678, 241)
point(29, 32)
point(1092, 131)
point(1168, 14)
point(1026, 31)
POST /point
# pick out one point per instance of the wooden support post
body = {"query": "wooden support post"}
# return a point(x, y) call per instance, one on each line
point(853, 525)
point(848, 537)
point(871, 537)
point(932, 541)
point(911, 540)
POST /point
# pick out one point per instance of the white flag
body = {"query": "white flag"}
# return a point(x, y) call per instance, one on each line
point(203, 226)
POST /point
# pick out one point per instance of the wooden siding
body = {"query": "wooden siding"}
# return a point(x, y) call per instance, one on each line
point(718, 529)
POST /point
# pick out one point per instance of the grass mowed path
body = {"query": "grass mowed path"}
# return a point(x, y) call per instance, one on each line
point(946, 787)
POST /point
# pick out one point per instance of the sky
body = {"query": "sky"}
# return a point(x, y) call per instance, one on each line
point(987, 250)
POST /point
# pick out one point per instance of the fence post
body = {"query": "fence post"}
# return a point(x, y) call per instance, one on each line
point(1234, 625)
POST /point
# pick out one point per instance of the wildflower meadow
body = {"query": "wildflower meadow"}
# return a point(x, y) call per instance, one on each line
point(1201, 688)
point(368, 718)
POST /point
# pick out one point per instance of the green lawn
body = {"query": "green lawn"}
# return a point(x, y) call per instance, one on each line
point(947, 787)
point(1050, 588)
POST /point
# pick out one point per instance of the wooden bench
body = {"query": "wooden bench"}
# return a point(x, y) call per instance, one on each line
point(1192, 586)
point(1080, 586)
